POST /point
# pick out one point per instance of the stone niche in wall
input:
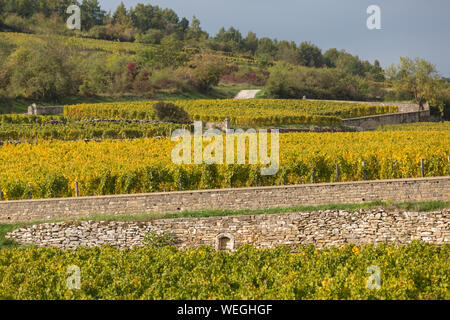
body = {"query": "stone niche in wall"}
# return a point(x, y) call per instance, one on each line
point(225, 242)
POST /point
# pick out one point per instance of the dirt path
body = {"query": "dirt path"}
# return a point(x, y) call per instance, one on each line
point(247, 94)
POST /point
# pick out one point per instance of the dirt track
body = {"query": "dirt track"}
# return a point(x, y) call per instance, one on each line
point(247, 94)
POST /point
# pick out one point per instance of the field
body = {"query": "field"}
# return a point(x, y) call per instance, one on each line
point(239, 112)
point(51, 168)
point(424, 126)
point(83, 44)
point(131, 48)
point(415, 271)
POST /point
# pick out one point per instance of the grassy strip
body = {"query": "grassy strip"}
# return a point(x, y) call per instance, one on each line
point(406, 206)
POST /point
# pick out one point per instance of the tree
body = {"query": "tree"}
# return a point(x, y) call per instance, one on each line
point(141, 16)
point(184, 25)
point(42, 71)
point(420, 78)
point(23, 8)
point(251, 42)
point(267, 48)
point(170, 53)
point(330, 57)
point(92, 14)
point(288, 81)
point(349, 64)
point(121, 16)
point(5, 50)
point(152, 36)
point(168, 112)
point(231, 36)
point(309, 55)
point(287, 51)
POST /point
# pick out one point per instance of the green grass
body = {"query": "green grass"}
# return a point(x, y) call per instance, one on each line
point(262, 94)
point(16, 106)
point(406, 206)
point(4, 229)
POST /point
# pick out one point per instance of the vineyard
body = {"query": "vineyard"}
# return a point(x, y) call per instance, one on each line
point(131, 169)
point(240, 112)
point(131, 48)
point(415, 271)
point(85, 130)
point(82, 44)
point(425, 126)
point(51, 168)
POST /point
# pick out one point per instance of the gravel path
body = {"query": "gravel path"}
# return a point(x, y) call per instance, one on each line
point(247, 94)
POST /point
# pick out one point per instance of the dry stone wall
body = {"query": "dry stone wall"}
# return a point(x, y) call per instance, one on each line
point(321, 229)
point(372, 122)
point(399, 190)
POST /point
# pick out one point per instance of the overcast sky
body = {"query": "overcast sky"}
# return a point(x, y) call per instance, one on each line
point(414, 28)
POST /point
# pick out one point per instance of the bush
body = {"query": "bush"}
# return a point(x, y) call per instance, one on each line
point(168, 112)
point(152, 36)
point(42, 71)
point(206, 71)
point(16, 190)
point(287, 81)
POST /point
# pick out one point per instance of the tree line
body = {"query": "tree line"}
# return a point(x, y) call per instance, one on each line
point(150, 24)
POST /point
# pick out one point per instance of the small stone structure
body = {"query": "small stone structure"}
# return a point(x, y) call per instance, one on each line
point(38, 111)
point(321, 229)
point(222, 126)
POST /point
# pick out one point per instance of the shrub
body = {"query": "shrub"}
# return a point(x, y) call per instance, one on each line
point(152, 36)
point(159, 240)
point(287, 81)
point(169, 112)
point(16, 190)
point(207, 71)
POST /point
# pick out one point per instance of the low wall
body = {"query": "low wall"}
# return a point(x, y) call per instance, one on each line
point(399, 190)
point(321, 229)
point(372, 122)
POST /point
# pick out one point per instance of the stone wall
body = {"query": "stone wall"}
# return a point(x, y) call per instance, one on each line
point(39, 110)
point(399, 190)
point(321, 229)
point(222, 126)
point(372, 122)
